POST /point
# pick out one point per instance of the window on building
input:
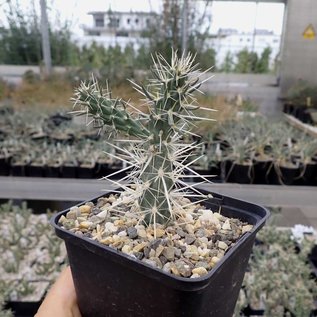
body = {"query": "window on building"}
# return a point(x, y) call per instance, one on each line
point(136, 21)
point(241, 39)
point(128, 21)
point(122, 33)
point(93, 33)
point(99, 22)
point(114, 23)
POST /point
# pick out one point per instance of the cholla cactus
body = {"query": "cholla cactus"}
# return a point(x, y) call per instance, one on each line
point(159, 156)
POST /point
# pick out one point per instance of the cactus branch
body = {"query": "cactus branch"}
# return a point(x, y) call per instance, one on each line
point(104, 110)
point(158, 162)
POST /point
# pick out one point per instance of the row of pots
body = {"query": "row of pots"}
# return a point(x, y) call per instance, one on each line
point(301, 112)
point(250, 312)
point(268, 172)
point(96, 170)
point(258, 172)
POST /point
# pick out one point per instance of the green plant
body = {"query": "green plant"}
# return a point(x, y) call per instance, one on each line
point(302, 93)
point(3, 312)
point(159, 154)
point(279, 278)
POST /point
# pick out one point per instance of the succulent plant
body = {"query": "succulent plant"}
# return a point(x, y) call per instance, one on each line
point(278, 265)
point(158, 157)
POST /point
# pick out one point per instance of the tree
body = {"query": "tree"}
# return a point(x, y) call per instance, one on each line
point(165, 32)
point(263, 65)
point(228, 63)
point(20, 41)
point(243, 62)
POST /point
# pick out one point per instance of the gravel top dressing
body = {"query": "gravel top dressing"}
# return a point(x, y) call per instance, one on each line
point(188, 247)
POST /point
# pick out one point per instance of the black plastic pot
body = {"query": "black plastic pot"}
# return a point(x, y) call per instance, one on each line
point(18, 169)
point(215, 169)
point(69, 171)
point(101, 169)
point(241, 173)
point(203, 172)
point(23, 309)
point(288, 108)
point(308, 174)
point(110, 283)
point(283, 175)
point(226, 170)
point(35, 170)
point(86, 172)
point(116, 171)
point(52, 171)
point(4, 166)
point(248, 311)
point(261, 171)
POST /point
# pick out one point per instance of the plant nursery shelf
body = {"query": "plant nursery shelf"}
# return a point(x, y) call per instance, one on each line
point(307, 128)
point(29, 188)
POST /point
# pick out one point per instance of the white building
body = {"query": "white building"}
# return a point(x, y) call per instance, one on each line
point(110, 28)
point(233, 41)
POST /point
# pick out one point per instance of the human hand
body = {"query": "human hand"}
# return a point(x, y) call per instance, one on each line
point(61, 300)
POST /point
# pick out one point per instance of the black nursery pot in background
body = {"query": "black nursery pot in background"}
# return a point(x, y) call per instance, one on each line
point(110, 283)
point(35, 170)
point(261, 170)
point(283, 175)
point(69, 171)
point(18, 169)
point(4, 165)
point(86, 171)
point(242, 173)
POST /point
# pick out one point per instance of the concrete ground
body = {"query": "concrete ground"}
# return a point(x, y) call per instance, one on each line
point(263, 89)
point(299, 203)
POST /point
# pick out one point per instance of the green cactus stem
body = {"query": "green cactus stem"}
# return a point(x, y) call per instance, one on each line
point(160, 152)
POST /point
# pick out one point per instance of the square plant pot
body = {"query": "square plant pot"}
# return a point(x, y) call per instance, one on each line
point(29, 305)
point(111, 283)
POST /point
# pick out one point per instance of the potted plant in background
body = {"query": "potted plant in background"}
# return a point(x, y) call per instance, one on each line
point(285, 169)
point(156, 246)
point(69, 162)
point(307, 147)
point(240, 154)
point(5, 158)
point(279, 263)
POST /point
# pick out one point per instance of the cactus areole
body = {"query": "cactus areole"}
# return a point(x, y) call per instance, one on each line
point(159, 157)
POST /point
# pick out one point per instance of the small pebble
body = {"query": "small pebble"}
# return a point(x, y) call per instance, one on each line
point(247, 228)
point(141, 233)
point(110, 227)
point(222, 245)
point(159, 233)
point(86, 224)
point(139, 247)
point(126, 249)
point(226, 225)
point(84, 209)
point(132, 232)
point(169, 253)
point(189, 238)
point(195, 275)
point(200, 271)
point(150, 262)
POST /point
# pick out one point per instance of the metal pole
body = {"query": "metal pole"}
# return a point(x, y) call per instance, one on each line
point(184, 26)
point(254, 26)
point(46, 48)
